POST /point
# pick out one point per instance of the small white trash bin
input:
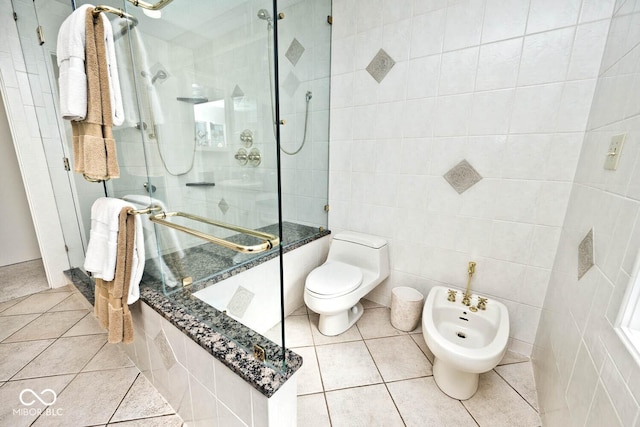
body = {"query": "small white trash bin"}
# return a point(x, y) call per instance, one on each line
point(406, 308)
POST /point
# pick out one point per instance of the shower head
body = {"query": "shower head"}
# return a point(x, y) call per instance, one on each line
point(161, 74)
point(265, 15)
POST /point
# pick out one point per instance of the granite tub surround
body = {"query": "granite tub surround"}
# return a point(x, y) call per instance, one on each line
point(207, 378)
point(228, 342)
point(266, 377)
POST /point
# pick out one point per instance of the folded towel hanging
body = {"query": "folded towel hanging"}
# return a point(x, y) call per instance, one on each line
point(102, 251)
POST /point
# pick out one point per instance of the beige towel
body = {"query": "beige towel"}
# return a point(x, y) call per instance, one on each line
point(110, 305)
point(94, 149)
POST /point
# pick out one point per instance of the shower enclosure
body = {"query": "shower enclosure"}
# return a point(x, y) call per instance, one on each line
point(225, 139)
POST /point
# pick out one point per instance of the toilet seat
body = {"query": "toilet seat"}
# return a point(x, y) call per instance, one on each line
point(333, 279)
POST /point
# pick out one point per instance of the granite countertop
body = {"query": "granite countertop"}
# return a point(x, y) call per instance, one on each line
point(226, 339)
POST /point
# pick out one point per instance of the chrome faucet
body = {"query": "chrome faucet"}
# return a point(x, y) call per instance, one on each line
point(466, 299)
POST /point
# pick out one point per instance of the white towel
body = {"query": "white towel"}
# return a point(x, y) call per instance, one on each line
point(167, 237)
point(101, 255)
point(115, 93)
point(136, 70)
point(72, 82)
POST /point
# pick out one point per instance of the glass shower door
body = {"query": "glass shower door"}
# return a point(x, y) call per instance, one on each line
point(198, 144)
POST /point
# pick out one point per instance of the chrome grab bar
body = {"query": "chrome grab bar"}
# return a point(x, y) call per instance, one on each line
point(270, 241)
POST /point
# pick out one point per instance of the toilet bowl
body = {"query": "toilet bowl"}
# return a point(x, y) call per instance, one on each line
point(355, 265)
point(465, 343)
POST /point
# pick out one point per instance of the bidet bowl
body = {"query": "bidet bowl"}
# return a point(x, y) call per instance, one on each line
point(470, 341)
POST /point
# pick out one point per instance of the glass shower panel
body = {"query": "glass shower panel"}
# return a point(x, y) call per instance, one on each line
point(200, 146)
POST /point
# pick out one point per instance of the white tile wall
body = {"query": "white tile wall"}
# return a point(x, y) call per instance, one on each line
point(506, 85)
point(28, 143)
point(584, 374)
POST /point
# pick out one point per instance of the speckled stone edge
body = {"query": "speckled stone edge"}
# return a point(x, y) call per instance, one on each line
point(182, 313)
point(264, 378)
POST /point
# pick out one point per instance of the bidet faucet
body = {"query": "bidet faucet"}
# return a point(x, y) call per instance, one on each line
point(466, 299)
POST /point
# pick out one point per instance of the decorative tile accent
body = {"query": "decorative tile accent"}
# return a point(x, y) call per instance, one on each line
point(585, 254)
point(294, 52)
point(166, 353)
point(380, 65)
point(223, 205)
point(240, 301)
point(237, 92)
point(291, 84)
point(462, 176)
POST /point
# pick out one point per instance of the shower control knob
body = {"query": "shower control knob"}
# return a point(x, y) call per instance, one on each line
point(242, 157)
point(247, 138)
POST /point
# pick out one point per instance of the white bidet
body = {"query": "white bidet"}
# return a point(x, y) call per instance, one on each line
point(465, 342)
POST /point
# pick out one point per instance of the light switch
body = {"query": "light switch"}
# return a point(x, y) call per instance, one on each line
point(613, 154)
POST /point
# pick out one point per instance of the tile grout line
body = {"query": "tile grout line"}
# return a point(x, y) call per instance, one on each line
point(125, 395)
point(514, 389)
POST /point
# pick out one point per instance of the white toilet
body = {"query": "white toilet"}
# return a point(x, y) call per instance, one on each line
point(356, 264)
point(465, 343)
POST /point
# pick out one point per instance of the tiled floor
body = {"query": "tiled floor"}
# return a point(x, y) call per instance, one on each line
point(51, 346)
point(375, 375)
point(371, 375)
point(25, 278)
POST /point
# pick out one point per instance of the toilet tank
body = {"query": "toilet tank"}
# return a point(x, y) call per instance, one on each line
point(361, 250)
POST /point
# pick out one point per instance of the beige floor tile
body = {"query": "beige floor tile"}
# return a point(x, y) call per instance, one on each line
point(88, 325)
point(15, 356)
point(346, 365)
point(297, 331)
point(110, 356)
point(48, 325)
point(370, 304)
point(65, 356)
point(166, 421)
point(75, 301)
point(36, 303)
point(351, 334)
point(22, 279)
point(368, 406)
point(496, 404)
point(10, 303)
point(376, 323)
point(419, 339)
point(513, 357)
point(299, 311)
point(142, 401)
point(520, 377)
point(398, 358)
point(65, 288)
point(309, 380)
point(11, 324)
point(100, 394)
point(421, 403)
point(312, 411)
point(10, 398)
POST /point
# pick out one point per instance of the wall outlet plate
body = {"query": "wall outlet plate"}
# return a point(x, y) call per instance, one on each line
point(614, 152)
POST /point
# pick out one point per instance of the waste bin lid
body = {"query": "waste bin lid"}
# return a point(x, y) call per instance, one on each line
point(406, 293)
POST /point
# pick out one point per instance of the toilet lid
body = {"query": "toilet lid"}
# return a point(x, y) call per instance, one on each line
point(334, 279)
